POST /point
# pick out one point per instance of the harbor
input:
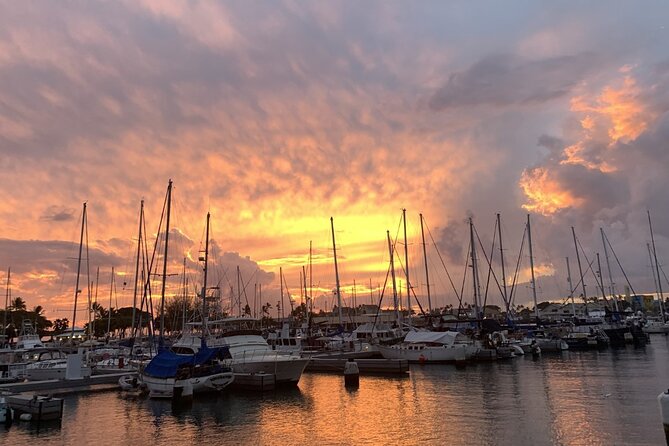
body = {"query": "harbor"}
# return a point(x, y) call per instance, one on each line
point(340, 223)
point(585, 397)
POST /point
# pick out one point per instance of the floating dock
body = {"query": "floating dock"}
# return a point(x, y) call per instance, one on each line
point(65, 385)
point(366, 366)
point(40, 408)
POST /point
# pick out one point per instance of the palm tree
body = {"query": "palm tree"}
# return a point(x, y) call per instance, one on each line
point(38, 310)
point(18, 304)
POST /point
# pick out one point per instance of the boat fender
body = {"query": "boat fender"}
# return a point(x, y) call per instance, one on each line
point(25, 417)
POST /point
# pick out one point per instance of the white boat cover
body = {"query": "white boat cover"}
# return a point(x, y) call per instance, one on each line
point(437, 337)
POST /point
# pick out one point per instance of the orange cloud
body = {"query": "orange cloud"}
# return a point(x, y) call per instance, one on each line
point(615, 115)
point(618, 108)
point(545, 195)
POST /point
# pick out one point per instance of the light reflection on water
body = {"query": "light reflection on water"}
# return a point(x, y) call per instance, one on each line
point(594, 398)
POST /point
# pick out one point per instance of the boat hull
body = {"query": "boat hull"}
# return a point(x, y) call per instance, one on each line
point(46, 374)
point(552, 345)
point(286, 369)
point(423, 354)
point(164, 387)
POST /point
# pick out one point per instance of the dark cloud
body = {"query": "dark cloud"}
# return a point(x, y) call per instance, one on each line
point(60, 257)
point(504, 79)
point(58, 214)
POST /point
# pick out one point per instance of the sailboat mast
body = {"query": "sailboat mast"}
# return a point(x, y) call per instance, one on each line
point(281, 282)
point(534, 283)
point(311, 280)
point(306, 295)
point(655, 278)
point(657, 266)
point(139, 250)
point(334, 249)
point(167, 237)
point(475, 272)
point(406, 262)
point(239, 292)
point(501, 254)
point(392, 272)
point(89, 308)
point(608, 267)
point(111, 289)
point(601, 279)
point(571, 289)
point(371, 295)
point(205, 313)
point(76, 286)
point(185, 298)
point(580, 270)
point(427, 270)
point(4, 321)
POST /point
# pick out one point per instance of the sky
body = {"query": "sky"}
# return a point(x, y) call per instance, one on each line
point(275, 116)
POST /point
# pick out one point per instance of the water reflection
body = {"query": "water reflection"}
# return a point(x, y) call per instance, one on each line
point(597, 398)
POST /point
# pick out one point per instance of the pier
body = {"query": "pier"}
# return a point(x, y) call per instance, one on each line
point(59, 386)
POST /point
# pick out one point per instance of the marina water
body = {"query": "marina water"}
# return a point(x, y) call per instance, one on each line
point(592, 398)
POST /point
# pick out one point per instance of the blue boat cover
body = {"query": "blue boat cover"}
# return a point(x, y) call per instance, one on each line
point(166, 363)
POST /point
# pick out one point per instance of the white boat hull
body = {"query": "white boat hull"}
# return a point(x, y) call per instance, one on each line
point(164, 387)
point(552, 345)
point(46, 374)
point(286, 369)
point(422, 354)
point(656, 328)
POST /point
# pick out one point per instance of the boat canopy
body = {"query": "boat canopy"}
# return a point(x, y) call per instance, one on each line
point(436, 337)
point(166, 363)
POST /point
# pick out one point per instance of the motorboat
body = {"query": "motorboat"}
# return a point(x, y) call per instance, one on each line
point(585, 338)
point(249, 351)
point(206, 370)
point(431, 346)
point(286, 339)
point(28, 338)
point(50, 364)
point(655, 326)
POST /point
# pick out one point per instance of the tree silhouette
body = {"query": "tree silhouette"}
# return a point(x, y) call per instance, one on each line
point(18, 304)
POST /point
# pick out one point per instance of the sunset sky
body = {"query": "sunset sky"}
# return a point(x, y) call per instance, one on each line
point(275, 116)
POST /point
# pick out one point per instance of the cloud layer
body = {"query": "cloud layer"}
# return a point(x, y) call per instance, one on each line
point(275, 116)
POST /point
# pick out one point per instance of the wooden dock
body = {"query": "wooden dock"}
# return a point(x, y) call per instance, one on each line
point(40, 408)
point(59, 386)
point(366, 366)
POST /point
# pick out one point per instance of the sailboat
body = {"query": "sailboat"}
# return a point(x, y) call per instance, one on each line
point(53, 363)
point(425, 346)
point(202, 370)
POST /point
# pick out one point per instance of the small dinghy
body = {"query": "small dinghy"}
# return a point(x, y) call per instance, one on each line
point(131, 384)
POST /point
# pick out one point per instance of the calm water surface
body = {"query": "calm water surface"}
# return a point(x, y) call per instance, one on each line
point(589, 398)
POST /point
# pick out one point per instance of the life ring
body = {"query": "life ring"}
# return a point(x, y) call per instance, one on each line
point(422, 359)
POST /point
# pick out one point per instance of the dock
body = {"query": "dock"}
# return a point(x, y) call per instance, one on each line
point(65, 385)
point(39, 408)
point(366, 366)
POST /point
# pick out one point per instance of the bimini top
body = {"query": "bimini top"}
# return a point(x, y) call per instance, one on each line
point(166, 363)
point(435, 337)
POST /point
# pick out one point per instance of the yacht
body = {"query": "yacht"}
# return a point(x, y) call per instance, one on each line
point(655, 326)
point(431, 346)
point(206, 370)
point(250, 352)
point(49, 364)
point(28, 338)
point(286, 339)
